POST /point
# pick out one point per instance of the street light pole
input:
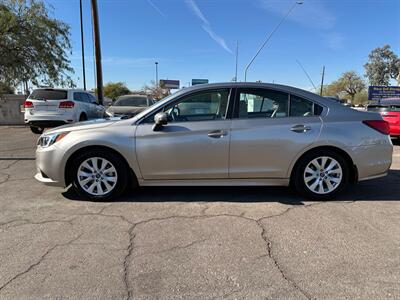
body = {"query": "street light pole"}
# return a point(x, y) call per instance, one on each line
point(156, 73)
point(269, 37)
point(99, 72)
point(83, 47)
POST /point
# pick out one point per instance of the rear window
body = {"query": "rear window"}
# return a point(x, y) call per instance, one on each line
point(134, 101)
point(383, 108)
point(49, 95)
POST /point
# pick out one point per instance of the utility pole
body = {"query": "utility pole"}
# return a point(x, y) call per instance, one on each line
point(156, 73)
point(237, 57)
point(270, 36)
point(322, 80)
point(99, 72)
point(83, 47)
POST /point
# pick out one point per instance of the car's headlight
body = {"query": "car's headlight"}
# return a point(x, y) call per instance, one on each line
point(47, 140)
point(109, 113)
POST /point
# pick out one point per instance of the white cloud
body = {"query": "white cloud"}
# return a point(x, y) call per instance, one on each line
point(193, 6)
point(216, 37)
point(156, 8)
point(334, 40)
point(206, 25)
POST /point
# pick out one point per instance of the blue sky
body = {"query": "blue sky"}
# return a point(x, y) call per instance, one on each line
point(197, 38)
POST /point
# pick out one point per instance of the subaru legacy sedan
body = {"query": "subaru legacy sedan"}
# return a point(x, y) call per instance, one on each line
point(228, 134)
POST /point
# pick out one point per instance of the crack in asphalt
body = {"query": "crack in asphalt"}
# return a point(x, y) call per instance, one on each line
point(8, 176)
point(38, 262)
point(131, 233)
point(29, 222)
point(277, 265)
point(127, 263)
point(173, 248)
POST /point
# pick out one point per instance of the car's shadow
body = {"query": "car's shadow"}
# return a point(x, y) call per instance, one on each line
point(382, 189)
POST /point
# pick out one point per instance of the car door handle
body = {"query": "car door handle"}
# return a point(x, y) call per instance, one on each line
point(300, 128)
point(217, 134)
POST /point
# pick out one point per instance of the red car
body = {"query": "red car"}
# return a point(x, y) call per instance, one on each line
point(390, 111)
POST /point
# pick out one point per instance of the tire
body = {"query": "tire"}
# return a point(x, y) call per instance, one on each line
point(86, 185)
point(37, 130)
point(334, 177)
point(82, 117)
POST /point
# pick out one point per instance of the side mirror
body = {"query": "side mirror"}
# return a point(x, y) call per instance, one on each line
point(160, 120)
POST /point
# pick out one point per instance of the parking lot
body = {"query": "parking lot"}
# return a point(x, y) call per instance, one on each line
point(193, 243)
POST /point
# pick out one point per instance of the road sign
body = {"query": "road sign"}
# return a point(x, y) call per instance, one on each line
point(199, 81)
point(169, 84)
point(376, 92)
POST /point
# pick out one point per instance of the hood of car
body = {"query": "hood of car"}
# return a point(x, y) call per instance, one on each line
point(126, 110)
point(92, 124)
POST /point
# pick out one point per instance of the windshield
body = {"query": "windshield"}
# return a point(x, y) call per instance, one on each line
point(49, 94)
point(132, 101)
point(384, 108)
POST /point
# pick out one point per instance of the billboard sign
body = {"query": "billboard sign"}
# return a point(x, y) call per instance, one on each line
point(376, 92)
point(169, 84)
point(199, 81)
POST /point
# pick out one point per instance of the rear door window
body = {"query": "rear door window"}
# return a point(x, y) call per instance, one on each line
point(85, 97)
point(262, 103)
point(77, 97)
point(300, 107)
point(49, 94)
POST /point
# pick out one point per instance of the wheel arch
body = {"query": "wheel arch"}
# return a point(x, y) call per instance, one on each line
point(67, 170)
point(83, 113)
point(352, 167)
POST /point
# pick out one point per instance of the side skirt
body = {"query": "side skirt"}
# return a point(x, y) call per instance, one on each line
point(217, 182)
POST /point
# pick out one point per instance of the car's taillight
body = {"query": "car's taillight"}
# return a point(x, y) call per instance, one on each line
point(66, 104)
point(28, 104)
point(379, 125)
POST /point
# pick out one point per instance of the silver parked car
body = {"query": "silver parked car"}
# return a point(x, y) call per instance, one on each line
point(221, 134)
point(129, 105)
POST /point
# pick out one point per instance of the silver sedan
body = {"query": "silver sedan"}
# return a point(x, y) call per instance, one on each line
point(221, 134)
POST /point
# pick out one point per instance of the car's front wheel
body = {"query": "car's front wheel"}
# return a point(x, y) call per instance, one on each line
point(37, 130)
point(321, 175)
point(99, 175)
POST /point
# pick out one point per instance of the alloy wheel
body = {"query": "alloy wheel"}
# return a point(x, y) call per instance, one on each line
point(323, 175)
point(97, 176)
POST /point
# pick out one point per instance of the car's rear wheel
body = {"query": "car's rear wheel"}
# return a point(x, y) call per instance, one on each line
point(82, 117)
point(99, 175)
point(321, 175)
point(37, 130)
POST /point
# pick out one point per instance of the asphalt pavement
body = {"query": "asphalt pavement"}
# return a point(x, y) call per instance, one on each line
point(191, 242)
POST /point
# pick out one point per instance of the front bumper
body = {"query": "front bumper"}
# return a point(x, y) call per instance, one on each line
point(49, 166)
point(46, 181)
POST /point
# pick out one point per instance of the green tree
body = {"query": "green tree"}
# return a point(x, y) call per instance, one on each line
point(333, 89)
point(33, 46)
point(347, 86)
point(156, 91)
point(6, 89)
point(115, 89)
point(383, 64)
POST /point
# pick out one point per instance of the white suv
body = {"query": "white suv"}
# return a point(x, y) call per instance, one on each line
point(50, 107)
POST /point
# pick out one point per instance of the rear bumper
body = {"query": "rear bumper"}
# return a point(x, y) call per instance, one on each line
point(394, 130)
point(373, 161)
point(46, 123)
point(48, 119)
